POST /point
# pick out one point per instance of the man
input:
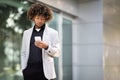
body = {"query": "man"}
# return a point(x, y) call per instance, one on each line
point(40, 45)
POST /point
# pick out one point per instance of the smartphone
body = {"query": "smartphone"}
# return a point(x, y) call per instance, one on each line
point(37, 38)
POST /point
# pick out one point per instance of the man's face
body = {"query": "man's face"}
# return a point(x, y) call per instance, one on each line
point(39, 21)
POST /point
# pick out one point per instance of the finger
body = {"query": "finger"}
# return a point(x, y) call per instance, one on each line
point(35, 43)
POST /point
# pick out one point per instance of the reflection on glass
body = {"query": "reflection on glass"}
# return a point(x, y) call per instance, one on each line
point(67, 49)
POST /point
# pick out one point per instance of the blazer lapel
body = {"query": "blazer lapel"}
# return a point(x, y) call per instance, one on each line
point(45, 38)
point(45, 34)
point(29, 37)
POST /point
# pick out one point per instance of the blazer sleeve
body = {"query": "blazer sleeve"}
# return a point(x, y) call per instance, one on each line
point(23, 52)
point(54, 49)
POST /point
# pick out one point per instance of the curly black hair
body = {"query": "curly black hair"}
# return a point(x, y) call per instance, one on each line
point(40, 10)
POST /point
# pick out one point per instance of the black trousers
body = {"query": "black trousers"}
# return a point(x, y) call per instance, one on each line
point(34, 71)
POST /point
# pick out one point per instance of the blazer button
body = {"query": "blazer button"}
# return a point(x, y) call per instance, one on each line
point(49, 51)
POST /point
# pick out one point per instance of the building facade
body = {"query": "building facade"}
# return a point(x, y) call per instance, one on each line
point(95, 39)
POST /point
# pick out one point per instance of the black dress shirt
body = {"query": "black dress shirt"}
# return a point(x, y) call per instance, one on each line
point(35, 55)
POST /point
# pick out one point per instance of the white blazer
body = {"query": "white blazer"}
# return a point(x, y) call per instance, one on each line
point(51, 37)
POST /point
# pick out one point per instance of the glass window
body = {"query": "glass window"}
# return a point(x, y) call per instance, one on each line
point(67, 49)
point(54, 22)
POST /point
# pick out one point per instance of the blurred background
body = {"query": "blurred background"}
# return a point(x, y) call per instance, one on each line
point(89, 32)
